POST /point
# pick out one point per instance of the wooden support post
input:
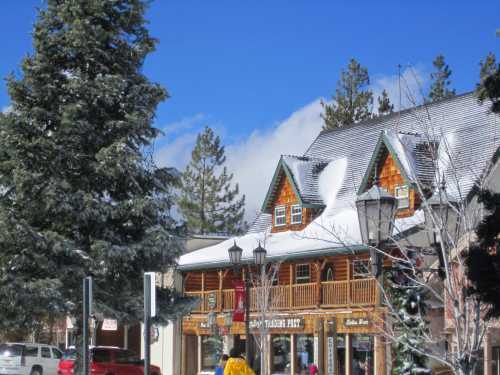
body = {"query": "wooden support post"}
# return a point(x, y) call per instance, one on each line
point(348, 354)
point(318, 284)
point(184, 355)
point(291, 286)
point(379, 356)
point(203, 291)
point(349, 276)
point(219, 297)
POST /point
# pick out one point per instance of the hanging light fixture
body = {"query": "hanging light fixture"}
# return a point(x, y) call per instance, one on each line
point(259, 255)
point(235, 253)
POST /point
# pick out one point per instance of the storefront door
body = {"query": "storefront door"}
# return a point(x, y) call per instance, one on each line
point(305, 354)
point(281, 354)
point(362, 355)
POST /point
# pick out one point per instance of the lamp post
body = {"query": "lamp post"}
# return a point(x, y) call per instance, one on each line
point(259, 256)
point(235, 253)
point(376, 212)
point(441, 219)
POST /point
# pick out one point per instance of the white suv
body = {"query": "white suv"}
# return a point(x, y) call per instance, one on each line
point(28, 359)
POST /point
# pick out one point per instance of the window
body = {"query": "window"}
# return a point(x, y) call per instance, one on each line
point(402, 196)
point(211, 352)
point(45, 352)
point(327, 274)
point(281, 354)
point(31, 351)
point(361, 268)
point(101, 355)
point(305, 353)
point(56, 354)
point(279, 216)
point(126, 356)
point(302, 273)
point(296, 214)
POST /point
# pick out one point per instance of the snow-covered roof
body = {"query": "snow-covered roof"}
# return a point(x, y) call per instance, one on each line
point(465, 132)
point(412, 152)
point(303, 174)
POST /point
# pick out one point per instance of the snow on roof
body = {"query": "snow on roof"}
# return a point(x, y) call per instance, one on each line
point(305, 173)
point(469, 130)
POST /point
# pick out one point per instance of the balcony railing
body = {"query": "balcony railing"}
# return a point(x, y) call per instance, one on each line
point(332, 294)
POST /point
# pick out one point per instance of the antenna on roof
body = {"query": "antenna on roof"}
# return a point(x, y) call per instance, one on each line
point(399, 91)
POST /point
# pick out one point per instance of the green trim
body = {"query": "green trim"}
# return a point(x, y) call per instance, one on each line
point(282, 166)
point(355, 249)
point(382, 141)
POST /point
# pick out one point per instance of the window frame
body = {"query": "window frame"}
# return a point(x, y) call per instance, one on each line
point(366, 264)
point(296, 214)
point(302, 279)
point(44, 350)
point(402, 198)
point(276, 208)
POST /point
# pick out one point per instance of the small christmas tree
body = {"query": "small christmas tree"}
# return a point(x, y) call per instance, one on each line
point(408, 298)
point(208, 201)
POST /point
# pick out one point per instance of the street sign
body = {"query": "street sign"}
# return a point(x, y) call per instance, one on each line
point(109, 325)
point(152, 298)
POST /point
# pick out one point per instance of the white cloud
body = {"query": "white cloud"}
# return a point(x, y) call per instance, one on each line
point(176, 153)
point(184, 124)
point(254, 159)
point(413, 82)
point(7, 109)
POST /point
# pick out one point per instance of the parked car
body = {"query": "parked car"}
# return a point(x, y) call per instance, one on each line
point(107, 360)
point(29, 359)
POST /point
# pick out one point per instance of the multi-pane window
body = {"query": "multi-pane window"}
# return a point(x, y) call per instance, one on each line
point(302, 273)
point(361, 268)
point(402, 196)
point(296, 214)
point(279, 216)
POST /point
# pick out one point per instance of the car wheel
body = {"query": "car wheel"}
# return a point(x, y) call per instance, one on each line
point(36, 371)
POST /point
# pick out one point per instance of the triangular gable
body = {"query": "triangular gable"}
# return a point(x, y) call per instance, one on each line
point(389, 141)
point(283, 169)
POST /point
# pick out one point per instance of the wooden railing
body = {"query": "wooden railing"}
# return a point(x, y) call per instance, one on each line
point(361, 292)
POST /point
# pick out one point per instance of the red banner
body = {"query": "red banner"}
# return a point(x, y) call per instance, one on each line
point(239, 301)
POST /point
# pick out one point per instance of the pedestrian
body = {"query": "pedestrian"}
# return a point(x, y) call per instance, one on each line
point(313, 369)
point(236, 365)
point(219, 370)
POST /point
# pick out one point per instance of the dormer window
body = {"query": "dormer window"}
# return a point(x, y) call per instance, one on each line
point(402, 196)
point(279, 216)
point(296, 214)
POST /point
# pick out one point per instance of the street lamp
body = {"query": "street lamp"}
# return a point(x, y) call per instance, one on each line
point(441, 219)
point(259, 255)
point(235, 254)
point(376, 211)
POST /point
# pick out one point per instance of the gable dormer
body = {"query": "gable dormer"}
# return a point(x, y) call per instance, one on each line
point(293, 199)
point(401, 161)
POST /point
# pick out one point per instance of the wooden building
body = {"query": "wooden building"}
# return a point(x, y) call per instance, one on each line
point(325, 305)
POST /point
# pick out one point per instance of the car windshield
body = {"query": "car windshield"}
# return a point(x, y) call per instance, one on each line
point(69, 355)
point(11, 350)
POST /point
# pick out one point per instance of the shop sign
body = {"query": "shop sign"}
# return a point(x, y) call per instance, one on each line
point(109, 325)
point(331, 355)
point(239, 301)
point(356, 322)
point(285, 323)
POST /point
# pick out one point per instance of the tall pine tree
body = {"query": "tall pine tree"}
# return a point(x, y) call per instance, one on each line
point(489, 82)
point(385, 106)
point(208, 201)
point(78, 196)
point(353, 99)
point(441, 83)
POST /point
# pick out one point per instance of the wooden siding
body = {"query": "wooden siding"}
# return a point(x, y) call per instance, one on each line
point(286, 197)
point(390, 177)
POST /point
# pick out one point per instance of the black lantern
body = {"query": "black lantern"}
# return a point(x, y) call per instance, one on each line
point(376, 212)
point(444, 208)
point(259, 254)
point(235, 254)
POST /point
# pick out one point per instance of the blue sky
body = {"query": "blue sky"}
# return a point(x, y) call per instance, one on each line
point(255, 69)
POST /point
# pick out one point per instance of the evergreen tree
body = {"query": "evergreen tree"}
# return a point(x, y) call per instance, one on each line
point(78, 196)
point(207, 200)
point(489, 82)
point(353, 99)
point(440, 86)
point(408, 299)
point(483, 259)
point(385, 106)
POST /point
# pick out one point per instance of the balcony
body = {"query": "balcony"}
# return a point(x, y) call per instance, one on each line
point(331, 294)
